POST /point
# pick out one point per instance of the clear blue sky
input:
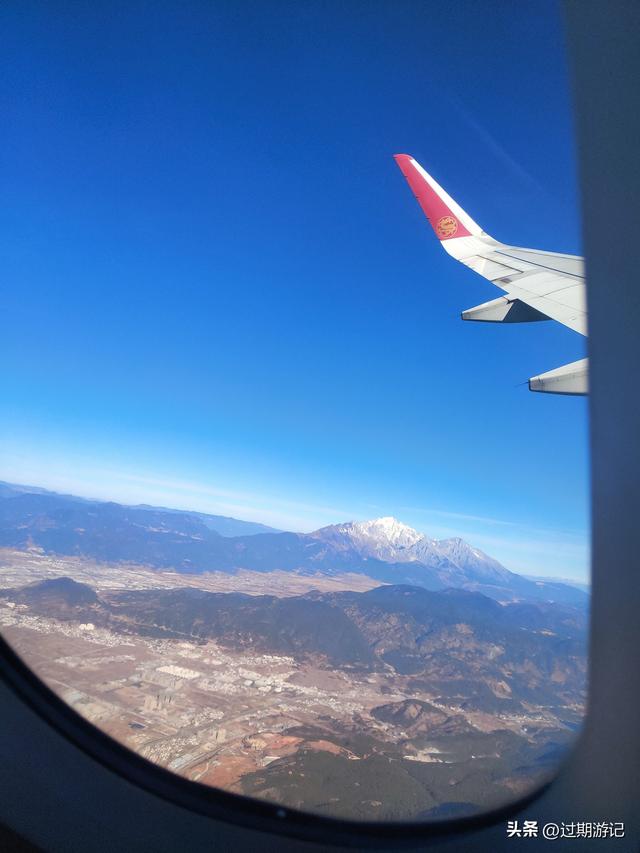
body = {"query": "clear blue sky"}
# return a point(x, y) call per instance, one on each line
point(219, 292)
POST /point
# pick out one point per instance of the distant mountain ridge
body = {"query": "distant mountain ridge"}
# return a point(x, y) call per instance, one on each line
point(222, 524)
point(383, 548)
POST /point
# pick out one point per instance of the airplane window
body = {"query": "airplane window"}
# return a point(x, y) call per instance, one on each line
point(294, 495)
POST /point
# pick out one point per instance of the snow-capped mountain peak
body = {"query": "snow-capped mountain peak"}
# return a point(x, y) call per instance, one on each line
point(389, 540)
point(387, 530)
point(382, 538)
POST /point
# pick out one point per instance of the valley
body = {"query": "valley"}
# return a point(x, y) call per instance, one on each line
point(378, 724)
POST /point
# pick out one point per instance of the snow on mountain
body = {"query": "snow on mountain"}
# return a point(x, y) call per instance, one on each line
point(387, 539)
point(382, 538)
point(473, 560)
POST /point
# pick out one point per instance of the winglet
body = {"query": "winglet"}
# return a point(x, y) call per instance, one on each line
point(447, 218)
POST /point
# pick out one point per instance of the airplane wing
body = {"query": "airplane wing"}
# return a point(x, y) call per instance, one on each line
point(537, 285)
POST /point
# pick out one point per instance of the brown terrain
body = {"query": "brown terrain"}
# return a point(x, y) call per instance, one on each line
point(367, 740)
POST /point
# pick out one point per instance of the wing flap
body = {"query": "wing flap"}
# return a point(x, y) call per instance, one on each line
point(571, 379)
point(504, 310)
point(564, 305)
point(567, 264)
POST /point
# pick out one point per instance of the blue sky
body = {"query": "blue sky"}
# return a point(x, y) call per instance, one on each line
point(219, 292)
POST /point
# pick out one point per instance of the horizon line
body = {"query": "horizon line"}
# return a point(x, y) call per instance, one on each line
point(584, 577)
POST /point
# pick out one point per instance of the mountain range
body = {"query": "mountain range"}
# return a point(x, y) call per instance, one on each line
point(467, 647)
point(384, 549)
point(222, 524)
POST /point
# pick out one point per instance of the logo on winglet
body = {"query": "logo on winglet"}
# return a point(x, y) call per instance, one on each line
point(446, 227)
